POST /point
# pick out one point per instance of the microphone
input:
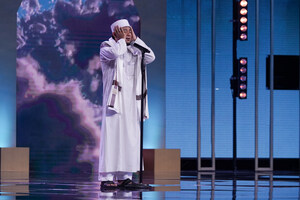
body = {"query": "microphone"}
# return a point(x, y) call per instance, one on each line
point(142, 49)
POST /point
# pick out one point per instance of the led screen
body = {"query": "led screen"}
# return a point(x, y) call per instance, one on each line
point(59, 79)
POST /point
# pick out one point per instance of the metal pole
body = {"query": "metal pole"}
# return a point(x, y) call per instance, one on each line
point(213, 47)
point(234, 69)
point(142, 117)
point(213, 58)
point(198, 84)
point(234, 184)
point(299, 95)
point(234, 137)
point(271, 83)
point(256, 79)
point(271, 128)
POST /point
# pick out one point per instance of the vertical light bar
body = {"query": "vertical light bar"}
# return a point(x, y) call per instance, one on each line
point(242, 26)
point(198, 84)
point(242, 78)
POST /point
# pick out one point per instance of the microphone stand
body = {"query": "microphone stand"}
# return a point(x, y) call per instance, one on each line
point(142, 115)
point(143, 51)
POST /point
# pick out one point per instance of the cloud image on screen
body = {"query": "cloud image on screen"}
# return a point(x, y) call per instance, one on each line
point(59, 79)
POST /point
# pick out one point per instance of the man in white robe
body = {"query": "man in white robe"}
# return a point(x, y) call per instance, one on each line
point(120, 130)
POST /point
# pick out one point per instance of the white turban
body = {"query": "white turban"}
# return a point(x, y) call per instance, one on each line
point(120, 23)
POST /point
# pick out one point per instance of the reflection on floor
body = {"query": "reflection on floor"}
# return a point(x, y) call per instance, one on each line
point(192, 185)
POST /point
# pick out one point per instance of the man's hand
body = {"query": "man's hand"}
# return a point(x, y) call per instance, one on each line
point(133, 36)
point(118, 33)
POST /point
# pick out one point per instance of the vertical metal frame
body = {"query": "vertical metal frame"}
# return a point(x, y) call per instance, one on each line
point(256, 79)
point(198, 84)
point(271, 83)
point(212, 181)
point(213, 61)
point(213, 44)
point(256, 186)
point(271, 130)
point(299, 100)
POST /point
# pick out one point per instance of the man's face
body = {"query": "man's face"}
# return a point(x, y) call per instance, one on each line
point(128, 34)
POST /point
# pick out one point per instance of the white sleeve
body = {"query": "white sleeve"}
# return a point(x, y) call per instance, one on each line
point(149, 57)
point(108, 53)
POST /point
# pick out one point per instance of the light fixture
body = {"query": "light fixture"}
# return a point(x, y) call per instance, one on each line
point(242, 78)
point(243, 11)
point(242, 20)
point(243, 3)
point(243, 28)
point(243, 95)
point(243, 36)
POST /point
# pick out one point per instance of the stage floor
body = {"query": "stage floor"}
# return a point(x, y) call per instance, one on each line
point(192, 185)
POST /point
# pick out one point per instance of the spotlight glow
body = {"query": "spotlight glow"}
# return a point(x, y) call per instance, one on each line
point(243, 78)
point(243, 28)
point(243, 20)
point(243, 11)
point(243, 61)
point(243, 3)
point(243, 70)
point(243, 86)
point(243, 36)
point(243, 95)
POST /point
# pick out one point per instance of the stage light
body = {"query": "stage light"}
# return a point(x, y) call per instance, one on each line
point(243, 95)
point(243, 3)
point(243, 69)
point(243, 61)
point(242, 78)
point(243, 86)
point(242, 20)
point(243, 11)
point(243, 36)
point(243, 28)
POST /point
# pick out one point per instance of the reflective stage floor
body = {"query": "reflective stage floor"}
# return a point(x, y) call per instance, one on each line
point(192, 185)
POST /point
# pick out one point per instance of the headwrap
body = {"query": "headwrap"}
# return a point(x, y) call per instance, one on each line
point(121, 23)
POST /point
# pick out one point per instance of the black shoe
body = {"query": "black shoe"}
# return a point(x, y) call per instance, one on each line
point(108, 186)
point(130, 185)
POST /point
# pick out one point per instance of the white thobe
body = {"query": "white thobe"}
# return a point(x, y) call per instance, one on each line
point(120, 130)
